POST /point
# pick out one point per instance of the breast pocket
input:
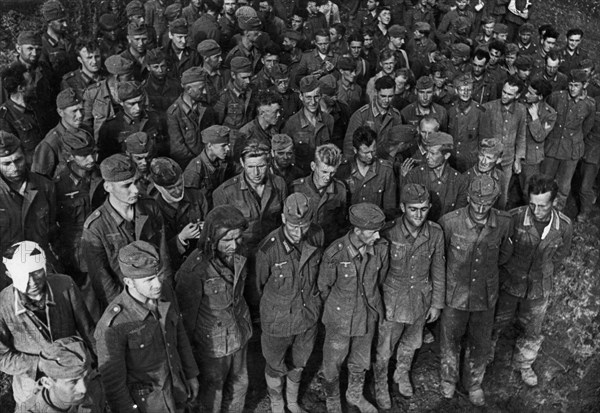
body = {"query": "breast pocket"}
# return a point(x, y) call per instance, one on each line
point(217, 293)
point(346, 277)
point(283, 279)
point(458, 249)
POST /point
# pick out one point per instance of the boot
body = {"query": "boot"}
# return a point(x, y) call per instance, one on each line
point(332, 391)
point(354, 394)
point(401, 375)
point(382, 393)
point(291, 395)
point(275, 390)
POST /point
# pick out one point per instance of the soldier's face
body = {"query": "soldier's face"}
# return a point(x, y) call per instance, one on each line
point(322, 173)
point(179, 40)
point(295, 233)
point(284, 157)
point(384, 98)
point(509, 94)
point(573, 41)
point(387, 66)
point(415, 214)
point(576, 89)
point(400, 84)
point(282, 85)
point(478, 66)
point(311, 99)
point(252, 36)
point(540, 206)
point(397, 42)
point(149, 287)
point(220, 150)
point(532, 96)
point(366, 154)
point(271, 113)
point(255, 169)
point(297, 22)
point(488, 29)
point(126, 192)
point(461, 4)
point(59, 26)
point(176, 190)
point(134, 107)
point(523, 74)
point(139, 43)
point(366, 236)
point(13, 167)
point(214, 61)
point(322, 44)
point(311, 6)
point(141, 161)
point(355, 49)
point(69, 392)
point(90, 60)
point(525, 38)
point(371, 5)
point(548, 44)
point(242, 80)
point(425, 97)
point(29, 53)
point(349, 76)
point(385, 17)
point(87, 162)
point(230, 243)
point(158, 70)
point(229, 7)
point(333, 35)
point(110, 35)
point(495, 56)
point(368, 41)
point(36, 284)
point(72, 116)
point(487, 161)
point(510, 59)
point(480, 209)
point(465, 92)
point(552, 67)
point(435, 157)
point(425, 128)
point(269, 61)
point(197, 91)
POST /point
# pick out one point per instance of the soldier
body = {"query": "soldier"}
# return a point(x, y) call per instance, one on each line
point(489, 158)
point(413, 291)
point(109, 40)
point(246, 45)
point(180, 57)
point(133, 118)
point(327, 195)
point(506, 118)
point(287, 268)
point(332, 106)
point(123, 218)
point(68, 383)
point(57, 48)
point(101, 100)
point(192, 11)
point(144, 356)
point(318, 62)
point(565, 144)
point(290, 99)
point(213, 166)
point(292, 53)
point(524, 40)
point(386, 60)
point(51, 151)
point(424, 106)
point(350, 277)
point(367, 178)
point(549, 71)
point(484, 86)
point(27, 200)
point(210, 287)
point(37, 309)
point(188, 116)
point(449, 21)
point(477, 240)
point(137, 41)
point(348, 91)
point(572, 55)
point(88, 55)
point(234, 107)
point(310, 127)
point(268, 113)
point(269, 58)
point(547, 43)
point(282, 156)
point(420, 46)
point(211, 54)
point(541, 118)
point(160, 89)
point(140, 149)
point(79, 191)
point(542, 241)
point(379, 115)
point(155, 17)
point(366, 17)
point(207, 27)
point(136, 14)
point(464, 118)
point(446, 186)
point(183, 209)
point(18, 115)
point(228, 23)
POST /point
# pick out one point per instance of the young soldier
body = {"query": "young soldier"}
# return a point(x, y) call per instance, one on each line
point(413, 291)
point(287, 267)
point(350, 278)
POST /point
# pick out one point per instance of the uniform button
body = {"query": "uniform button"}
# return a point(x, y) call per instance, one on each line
point(280, 275)
point(473, 279)
point(304, 305)
point(338, 308)
point(411, 287)
point(476, 259)
point(141, 346)
point(346, 275)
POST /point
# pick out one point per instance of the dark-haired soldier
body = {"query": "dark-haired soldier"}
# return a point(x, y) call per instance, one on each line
point(160, 89)
point(268, 113)
point(180, 57)
point(234, 106)
point(109, 39)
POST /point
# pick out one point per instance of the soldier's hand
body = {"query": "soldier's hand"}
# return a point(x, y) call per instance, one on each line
point(190, 231)
point(407, 165)
point(433, 314)
point(533, 110)
point(192, 387)
point(517, 166)
point(329, 66)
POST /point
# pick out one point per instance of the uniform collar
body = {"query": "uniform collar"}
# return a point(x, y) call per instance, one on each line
point(49, 296)
point(554, 222)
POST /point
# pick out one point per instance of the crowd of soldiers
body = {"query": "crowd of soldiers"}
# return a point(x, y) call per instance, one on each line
point(200, 174)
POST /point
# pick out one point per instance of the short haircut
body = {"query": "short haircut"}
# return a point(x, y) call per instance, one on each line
point(540, 184)
point(481, 54)
point(13, 77)
point(386, 54)
point(340, 29)
point(438, 67)
point(88, 44)
point(356, 37)
point(363, 135)
point(542, 87)
point(407, 74)
point(551, 33)
point(497, 45)
point(322, 33)
point(552, 55)
point(267, 98)
point(512, 48)
point(382, 9)
point(385, 82)
point(575, 31)
point(368, 31)
point(253, 147)
point(214, 6)
point(514, 81)
point(328, 154)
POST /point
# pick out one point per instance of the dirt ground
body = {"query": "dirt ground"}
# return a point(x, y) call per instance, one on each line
point(569, 363)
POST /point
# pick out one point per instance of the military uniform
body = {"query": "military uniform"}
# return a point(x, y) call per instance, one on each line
point(463, 125)
point(23, 122)
point(240, 50)
point(113, 133)
point(79, 81)
point(234, 109)
point(140, 71)
point(377, 186)
point(99, 106)
point(144, 356)
point(155, 17)
point(330, 206)
point(253, 129)
point(177, 65)
point(412, 115)
point(59, 55)
point(207, 176)
point(372, 116)
point(474, 255)
point(217, 320)
point(215, 82)
point(185, 125)
point(206, 27)
point(448, 192)
point(229, 28)
point(308, 137)
point(105, 232)
point(311, 63)
point(191, 13)
point(161, 94)
point(484, 89)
